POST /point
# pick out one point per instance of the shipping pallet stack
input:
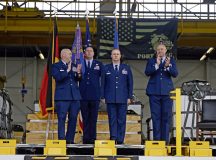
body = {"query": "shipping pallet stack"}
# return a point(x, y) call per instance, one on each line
point(37, 128)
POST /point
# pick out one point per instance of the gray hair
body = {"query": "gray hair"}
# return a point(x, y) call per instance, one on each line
point(65, 50)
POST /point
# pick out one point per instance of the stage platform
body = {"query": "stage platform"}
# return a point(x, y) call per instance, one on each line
point(89, 157)
point(86, 152)
point(80, 149)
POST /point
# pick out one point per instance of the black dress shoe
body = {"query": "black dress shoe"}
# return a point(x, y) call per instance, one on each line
point(92, 142)
point(85, 142)
point(119, 142)
point(68, 142)
point(88, 142)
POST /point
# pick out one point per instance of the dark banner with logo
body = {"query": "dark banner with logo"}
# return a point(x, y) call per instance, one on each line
point(137, 37)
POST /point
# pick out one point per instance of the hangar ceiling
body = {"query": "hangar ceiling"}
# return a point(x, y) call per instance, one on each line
point(20, 36)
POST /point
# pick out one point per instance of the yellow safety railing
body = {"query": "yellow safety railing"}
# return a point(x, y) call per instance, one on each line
point(177, 98)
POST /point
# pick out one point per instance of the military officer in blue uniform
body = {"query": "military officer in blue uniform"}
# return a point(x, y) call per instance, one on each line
point(67, 94)
point(160, 69)
point(90, 89)
point(117, 90)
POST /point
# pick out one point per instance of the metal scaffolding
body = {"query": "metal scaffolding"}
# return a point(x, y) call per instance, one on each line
point(182, 9)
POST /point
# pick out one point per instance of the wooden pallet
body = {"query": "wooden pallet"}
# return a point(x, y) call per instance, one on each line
point(36, 128)
point(39, 137)
point(18, 136)
point(130, 139)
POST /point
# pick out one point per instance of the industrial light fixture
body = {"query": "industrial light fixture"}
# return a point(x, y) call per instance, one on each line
point(203, 57)
point(41, 55)
point(207, 52)
point(133, 7)
point(209, 1)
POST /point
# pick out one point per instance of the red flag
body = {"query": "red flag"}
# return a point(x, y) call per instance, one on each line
point(46, 101)
point(80, 122)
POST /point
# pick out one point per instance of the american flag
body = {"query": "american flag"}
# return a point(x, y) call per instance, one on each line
point(136, 36)
point(87, 34)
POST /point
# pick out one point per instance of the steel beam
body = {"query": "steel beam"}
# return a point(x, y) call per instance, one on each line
point(37, 31)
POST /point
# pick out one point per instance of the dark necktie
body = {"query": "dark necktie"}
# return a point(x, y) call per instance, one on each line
point(89, 64)
point(161, 62)
point(116, 68)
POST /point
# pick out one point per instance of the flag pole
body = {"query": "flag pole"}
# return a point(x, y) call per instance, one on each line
point(77, 54)
point(80, 120)
point(87, 32)
point(53, 87)
point(116, 43)
point(87, 13)
point(46, 100)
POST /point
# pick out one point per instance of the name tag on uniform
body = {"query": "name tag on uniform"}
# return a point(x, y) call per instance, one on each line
point(74, 69)
point(107, 73)
point(97, 67)
point(61, 70)
point(124, 71)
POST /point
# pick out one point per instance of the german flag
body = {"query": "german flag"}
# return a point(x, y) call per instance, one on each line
point(46, 101)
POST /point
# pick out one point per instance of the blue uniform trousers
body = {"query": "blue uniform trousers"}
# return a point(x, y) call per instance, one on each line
point(89, 110)
point(161, 113)
point(117, 113)
point(72, 108)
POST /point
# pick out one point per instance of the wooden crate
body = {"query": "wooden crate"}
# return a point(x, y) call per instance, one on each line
point(130, 117)
point(39, 138)
point(133, 128)
point(132, 139)
point(101, 116)
point(37, 117)
point(39, 126)
point(130, 127)
point(18, 136)
point(37, 129)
